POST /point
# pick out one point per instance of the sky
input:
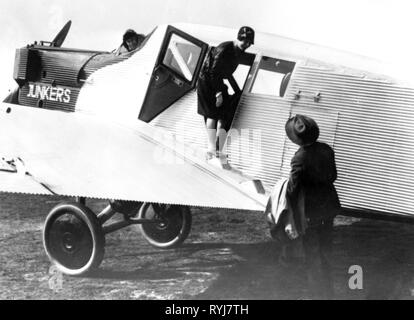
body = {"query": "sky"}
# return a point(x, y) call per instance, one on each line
point(375, 28)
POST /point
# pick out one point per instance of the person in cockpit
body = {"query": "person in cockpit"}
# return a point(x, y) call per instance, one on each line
point(130, 42)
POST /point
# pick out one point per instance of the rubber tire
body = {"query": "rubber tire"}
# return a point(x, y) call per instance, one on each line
point(88, 221)
point(150, 230)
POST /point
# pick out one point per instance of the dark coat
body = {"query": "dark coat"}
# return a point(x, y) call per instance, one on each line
point(220, 64)
point(310, 188)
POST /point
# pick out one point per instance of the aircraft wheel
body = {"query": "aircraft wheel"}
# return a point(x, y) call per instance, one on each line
point(172, 230)
point(73, 238)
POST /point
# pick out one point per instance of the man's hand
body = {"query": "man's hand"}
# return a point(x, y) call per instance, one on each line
point(291, 231)
point(219, 99)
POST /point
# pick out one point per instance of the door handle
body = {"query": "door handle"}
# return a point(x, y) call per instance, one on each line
point(178, 82)
point(316, 96)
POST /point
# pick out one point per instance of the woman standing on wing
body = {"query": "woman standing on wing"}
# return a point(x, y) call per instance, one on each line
point(212, 93)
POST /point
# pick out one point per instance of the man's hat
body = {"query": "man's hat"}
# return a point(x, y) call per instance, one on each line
point(246, 33)
point(302, 130)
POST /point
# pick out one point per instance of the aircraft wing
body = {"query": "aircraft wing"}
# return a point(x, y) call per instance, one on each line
point(75, 154)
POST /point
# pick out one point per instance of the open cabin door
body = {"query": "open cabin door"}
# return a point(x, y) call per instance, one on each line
point(175, 73)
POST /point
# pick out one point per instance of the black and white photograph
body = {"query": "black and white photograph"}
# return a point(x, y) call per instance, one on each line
point(186, 151)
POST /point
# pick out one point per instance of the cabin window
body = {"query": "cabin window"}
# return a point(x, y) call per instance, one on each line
point(182, 56)
point(273, 76)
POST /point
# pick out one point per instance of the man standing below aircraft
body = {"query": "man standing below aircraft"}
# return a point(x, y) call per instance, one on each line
point(312, 195)
point(213, 98)
point(130, 42)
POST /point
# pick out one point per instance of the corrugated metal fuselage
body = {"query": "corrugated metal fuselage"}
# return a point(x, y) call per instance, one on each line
point(367, 119)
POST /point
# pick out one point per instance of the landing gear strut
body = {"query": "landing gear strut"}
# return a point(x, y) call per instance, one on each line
point(74, 237)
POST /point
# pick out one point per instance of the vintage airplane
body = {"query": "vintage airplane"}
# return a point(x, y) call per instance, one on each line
point(97, 125)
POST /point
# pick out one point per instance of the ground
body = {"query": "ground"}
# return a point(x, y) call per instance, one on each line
point(228, 255)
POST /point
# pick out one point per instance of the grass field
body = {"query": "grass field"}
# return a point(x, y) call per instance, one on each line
point(228, 255)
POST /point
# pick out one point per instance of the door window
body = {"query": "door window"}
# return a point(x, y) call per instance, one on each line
point(175, 72)
point(182, 57)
